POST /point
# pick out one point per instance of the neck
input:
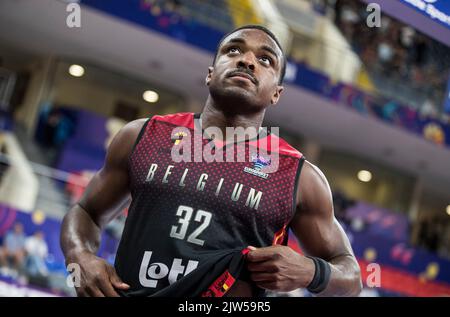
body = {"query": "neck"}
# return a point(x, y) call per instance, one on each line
point(214, 116)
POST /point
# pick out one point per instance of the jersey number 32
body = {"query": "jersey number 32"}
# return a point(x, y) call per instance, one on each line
point(185, 215)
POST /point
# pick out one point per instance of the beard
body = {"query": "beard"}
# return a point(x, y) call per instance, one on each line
point(235, 99)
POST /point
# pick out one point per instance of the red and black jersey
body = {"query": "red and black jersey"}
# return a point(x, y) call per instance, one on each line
point(189, 222)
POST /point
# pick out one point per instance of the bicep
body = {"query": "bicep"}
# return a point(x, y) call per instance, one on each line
point(105, 193)
point(314, 224)
point(108, 190)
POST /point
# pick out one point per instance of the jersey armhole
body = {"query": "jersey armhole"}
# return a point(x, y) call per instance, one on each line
point(296, 184)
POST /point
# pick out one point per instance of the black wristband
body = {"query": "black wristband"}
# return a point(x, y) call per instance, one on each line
point(321, 275)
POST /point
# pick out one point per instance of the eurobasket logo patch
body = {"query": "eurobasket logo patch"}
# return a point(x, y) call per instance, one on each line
point(259, 162)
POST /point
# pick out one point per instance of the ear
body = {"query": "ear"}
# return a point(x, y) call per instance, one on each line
point(208, 77)
point(276, 95)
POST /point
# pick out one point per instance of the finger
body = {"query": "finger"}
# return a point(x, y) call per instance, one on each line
point(251, 248)
point(107, 288)
point(261, 254)
point(267, 285)
point(81, 292)
point(116, 280)
point(94, 291)
point(263, 277)
point(263, 267)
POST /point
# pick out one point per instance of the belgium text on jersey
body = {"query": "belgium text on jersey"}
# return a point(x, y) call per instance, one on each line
point(263, 154)
point(253, 198)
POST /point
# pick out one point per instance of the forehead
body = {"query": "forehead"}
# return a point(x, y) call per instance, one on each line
point(254, 37)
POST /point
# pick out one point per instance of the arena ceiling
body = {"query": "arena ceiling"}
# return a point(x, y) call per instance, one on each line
point(40, 27)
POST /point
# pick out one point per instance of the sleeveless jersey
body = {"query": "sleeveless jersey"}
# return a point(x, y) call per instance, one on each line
point(189, 222)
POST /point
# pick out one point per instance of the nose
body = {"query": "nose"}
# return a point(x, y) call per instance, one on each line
point(246, 61)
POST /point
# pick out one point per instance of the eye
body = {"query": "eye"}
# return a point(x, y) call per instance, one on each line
point(234, 49)
point(266, 60)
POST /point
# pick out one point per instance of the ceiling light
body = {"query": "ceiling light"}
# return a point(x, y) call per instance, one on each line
point(76, 70)
point(364, 176)
point(150, 96)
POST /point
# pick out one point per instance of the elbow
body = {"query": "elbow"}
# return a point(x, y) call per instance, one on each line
point(358, 288)
point(354, 283)
point(357, 282)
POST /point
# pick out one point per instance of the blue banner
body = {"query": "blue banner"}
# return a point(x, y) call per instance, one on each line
point(437, 10)
point(172, 24)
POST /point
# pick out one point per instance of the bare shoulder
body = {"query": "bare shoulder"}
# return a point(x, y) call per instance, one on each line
point(133, 127)
point(312, 173)
point(314, 192)
point(123, 142)
point(128, 133)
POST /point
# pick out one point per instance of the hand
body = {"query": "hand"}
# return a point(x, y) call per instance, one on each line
point(97, 277)
point(279, 268)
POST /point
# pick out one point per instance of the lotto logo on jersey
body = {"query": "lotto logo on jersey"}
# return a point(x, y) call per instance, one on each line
point(151, 273)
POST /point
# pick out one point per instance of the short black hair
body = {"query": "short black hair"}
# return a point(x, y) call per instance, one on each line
point(265, 30)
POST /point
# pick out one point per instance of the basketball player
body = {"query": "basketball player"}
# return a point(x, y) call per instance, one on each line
point(213, 228)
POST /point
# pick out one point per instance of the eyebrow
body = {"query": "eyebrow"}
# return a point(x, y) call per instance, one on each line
point(270, 50)
point(264, 47)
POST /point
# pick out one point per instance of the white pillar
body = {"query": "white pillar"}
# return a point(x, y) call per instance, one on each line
point(38, 91)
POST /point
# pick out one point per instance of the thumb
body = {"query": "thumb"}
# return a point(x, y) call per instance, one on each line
point(116, 281)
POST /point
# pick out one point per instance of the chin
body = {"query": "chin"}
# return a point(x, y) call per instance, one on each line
point(235, 98)
point(237, 93)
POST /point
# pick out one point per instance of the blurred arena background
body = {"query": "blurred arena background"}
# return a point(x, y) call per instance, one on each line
point(369, 105)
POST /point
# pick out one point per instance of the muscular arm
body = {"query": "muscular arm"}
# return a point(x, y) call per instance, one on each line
point(321, 235)
point(280, 268)
point(106, 192)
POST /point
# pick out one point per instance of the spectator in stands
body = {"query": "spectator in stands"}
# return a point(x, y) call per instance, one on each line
point(36, 252)
point(431, 233)
point(12, 253)
point(395, 51)
point(428, 108)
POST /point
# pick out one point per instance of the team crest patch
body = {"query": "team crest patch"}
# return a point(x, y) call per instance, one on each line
point(259, 162)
